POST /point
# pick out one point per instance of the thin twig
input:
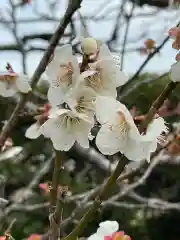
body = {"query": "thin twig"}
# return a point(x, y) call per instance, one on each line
point(54, 214)
point(128, 21)
point(97, 202)
point(72, 7)
point(125, 87)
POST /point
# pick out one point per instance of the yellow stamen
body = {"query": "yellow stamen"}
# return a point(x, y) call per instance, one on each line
point(64, 75)
point(94, 81)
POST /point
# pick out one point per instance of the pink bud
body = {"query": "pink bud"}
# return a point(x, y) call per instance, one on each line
point(44, 187)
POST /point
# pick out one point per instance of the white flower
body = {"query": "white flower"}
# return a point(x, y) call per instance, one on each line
point(119, 132)
point(107, 75)
point(33, 131)
point(11, 83)
point(82, 100)
point(175, 72)
point(62, 73)
point(64, 127)
point(118, 128)
point(106, 228)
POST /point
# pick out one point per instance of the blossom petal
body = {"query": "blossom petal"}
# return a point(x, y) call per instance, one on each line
point(107, 228)
point(94, 237)
point(82, 133)
point(61, 55)
point(63, 143)
point(7, 92)
point(107, 90)
point(47, 128)
point(110, 142)
point(112, 74)
point(106, 108)
point(56, 95)
point(62, 139)
point(155, 128)
point(23, 84)
point(137, 150)
point(33, 131)
point(104, 53)
point(55, 112)
point(175, 72)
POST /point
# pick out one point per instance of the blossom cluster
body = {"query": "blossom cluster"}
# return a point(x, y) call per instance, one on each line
point(80, 98)
point(82, 94)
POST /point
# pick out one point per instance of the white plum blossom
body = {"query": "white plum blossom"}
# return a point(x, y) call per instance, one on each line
point(82, 99)
point(11, 83)
point(175, 72)
point(65, 127)
point(106, 228)
point(62, 73)
point(120, 134)
point(106, 75)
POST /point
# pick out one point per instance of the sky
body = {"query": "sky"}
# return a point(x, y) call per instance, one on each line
point(155, 27)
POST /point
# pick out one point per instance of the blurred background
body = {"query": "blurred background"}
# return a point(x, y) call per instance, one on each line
point(147, 203)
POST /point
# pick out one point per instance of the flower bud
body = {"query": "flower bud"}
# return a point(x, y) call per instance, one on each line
point(44, 188)
point(149, 44)
point(89, 46)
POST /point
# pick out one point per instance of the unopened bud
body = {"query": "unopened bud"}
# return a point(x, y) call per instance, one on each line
point(149, 44)
point(89, 46)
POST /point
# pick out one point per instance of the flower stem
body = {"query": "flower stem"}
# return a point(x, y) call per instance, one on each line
point(84, 63)
point(99, 198)
point(53, 213)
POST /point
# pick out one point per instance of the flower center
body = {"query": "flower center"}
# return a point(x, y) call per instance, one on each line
point(64, 75)
point(84, 105)
point(120, 125)
point(94, 80)
point(70, 122)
